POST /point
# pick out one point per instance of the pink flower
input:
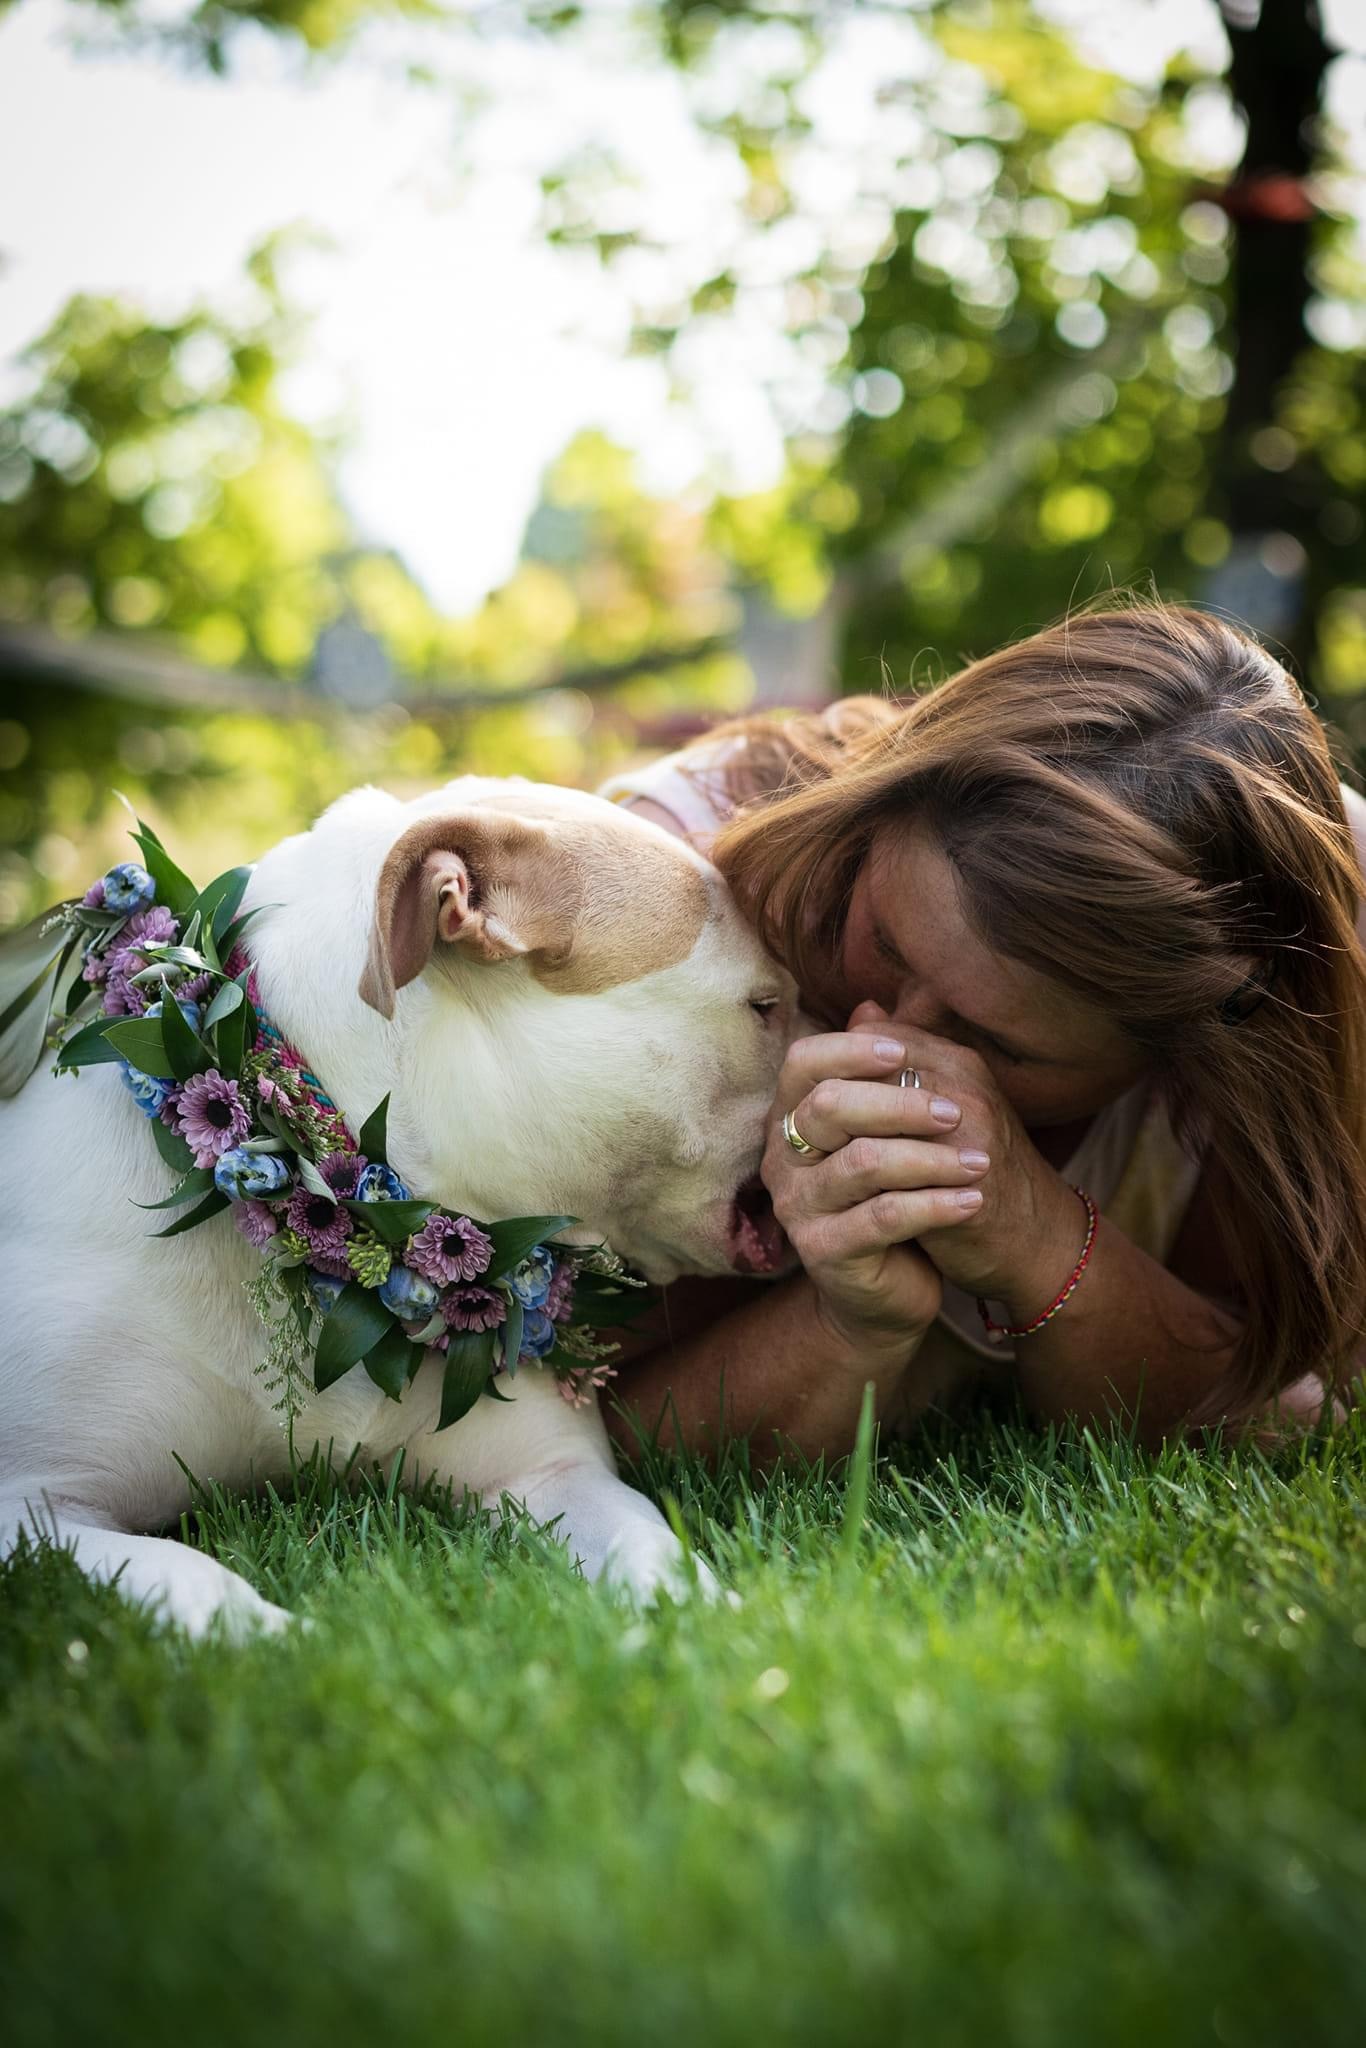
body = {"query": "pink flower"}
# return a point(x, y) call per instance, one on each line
point(559, 1303)
point(95, 969)
point(583, 1381)
point(473, 1308)
point(324, 1227)
point(271, 1093)
point(212, 1116)
point(450, 1248)
point(256, 1222)
point(93, 898)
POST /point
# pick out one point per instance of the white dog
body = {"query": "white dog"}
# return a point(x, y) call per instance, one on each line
point(570, 1018)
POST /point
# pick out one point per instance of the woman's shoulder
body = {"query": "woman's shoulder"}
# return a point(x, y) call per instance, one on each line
point(685, 791)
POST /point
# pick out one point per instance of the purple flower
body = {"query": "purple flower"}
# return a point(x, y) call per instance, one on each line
point(473, 1308)
point(559, 1304)
point(95, 969)
point(256, 1222)
point(93, 898)
point(213, 1117)
point(451, 1248)
point(341, 1171)
point(149, 928)
point(324, 1227)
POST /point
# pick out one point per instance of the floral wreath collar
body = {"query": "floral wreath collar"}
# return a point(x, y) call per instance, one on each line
point(356, 1270)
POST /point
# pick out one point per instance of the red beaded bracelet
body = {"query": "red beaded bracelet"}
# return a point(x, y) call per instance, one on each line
point(999, 1333)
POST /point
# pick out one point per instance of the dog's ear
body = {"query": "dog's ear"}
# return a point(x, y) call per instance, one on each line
point(499, 886)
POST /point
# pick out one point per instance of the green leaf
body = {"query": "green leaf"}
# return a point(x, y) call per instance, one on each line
point(25, 958)
point(218, 900)
point(90, 1047)
point(174, 887)
point(210, 1206)
point(24, 1026)
point(197, 1181)
point(391, 1363)
point(353, 1325)
point(374, 1135)
point(491, 1389)
point(604, 1306)
point(184, 1048)
point(232, 936)
point(230, 997)
point(172, 1147)
point(512, 1333)
point(469, 1363)
point(235, 1034)
point(139, 1041)
point(392, 1222)
point(513, 1239)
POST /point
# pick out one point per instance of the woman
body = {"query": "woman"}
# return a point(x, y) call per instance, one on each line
point(1097, 897)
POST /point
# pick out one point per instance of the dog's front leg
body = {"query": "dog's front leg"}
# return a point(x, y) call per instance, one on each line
point(178, 1584)
point(539, 1453)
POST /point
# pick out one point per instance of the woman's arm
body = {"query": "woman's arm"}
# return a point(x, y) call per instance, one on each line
point(771, 1369)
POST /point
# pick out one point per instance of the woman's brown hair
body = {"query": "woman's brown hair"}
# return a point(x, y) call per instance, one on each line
point(1140, 805)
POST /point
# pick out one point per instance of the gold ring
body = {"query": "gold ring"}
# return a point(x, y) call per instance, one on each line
point(910, 1078)
point(795, 1138)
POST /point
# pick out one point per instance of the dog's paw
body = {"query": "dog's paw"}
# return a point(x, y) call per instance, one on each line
point(203, 1597)
point(644, 1568)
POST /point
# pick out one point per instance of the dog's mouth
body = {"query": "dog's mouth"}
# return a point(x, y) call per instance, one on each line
point(757, 1241)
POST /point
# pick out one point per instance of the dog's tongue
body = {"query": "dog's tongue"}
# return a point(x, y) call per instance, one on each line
point(758, 1243)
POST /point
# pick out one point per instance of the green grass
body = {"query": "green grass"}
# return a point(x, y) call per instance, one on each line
point(1058, 1743)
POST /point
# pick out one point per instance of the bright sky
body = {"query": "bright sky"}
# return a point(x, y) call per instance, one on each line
point(465, 351)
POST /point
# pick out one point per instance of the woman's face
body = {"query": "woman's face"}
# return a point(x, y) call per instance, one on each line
point(908, 946)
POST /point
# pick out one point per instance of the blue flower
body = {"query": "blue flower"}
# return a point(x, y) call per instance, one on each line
point(128, 887)
point(538, 1334)
point(407, 1295)
point(147, 1090)
point(530, 1281)
point(323, 1289)
point(381, 1184)
point(191, 1012)
point(250, 1176)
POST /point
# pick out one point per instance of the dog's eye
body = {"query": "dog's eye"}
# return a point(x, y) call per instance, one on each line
point(762, 1005)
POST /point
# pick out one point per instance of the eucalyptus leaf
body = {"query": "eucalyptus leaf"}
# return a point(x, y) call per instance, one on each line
point(184, 1048)
point(390, 1363)
point(230, 997)
point(90, 1046)
point(513, 1239)
point(23, 1032)
point(210, 1206)
point(352, 1326)
point(219, 900)
point(139, 1041)
point(374, 1135)
point(392, 1222)
point(314, 1182)
point(26, 956)
point(469, 1364)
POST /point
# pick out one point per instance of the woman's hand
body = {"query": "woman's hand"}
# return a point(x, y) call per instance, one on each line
point(893, 1171)
point(1019, 1246)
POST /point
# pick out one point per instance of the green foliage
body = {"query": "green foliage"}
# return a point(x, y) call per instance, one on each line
point(1069, 1752)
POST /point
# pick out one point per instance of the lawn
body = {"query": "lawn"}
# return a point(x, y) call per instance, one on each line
point(1020, 1739)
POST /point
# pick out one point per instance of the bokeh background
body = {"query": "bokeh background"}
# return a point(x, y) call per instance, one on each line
point(392, 389)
